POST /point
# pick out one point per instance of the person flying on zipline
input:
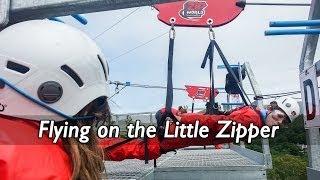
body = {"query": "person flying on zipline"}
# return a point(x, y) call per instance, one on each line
point(280, 112)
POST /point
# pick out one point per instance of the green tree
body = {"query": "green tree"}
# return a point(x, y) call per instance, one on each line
point(289, 161)
point(288, 167)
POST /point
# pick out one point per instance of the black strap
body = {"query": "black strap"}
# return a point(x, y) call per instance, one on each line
point(212, 97)
point(211, 105)
point(169, 98)
point(146, 149)
point(227, 65)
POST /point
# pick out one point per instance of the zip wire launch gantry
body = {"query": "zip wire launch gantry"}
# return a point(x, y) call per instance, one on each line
point(235, 162)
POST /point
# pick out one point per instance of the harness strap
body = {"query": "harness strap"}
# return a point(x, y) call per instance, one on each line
point(169, 98)
point(227, 65)
point(211, 105)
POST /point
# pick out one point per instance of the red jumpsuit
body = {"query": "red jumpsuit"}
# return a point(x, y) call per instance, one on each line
point(135, 148)
point(24, 156)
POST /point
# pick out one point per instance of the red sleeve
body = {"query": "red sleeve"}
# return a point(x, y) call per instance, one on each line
point(244, 116)
point(134, 149)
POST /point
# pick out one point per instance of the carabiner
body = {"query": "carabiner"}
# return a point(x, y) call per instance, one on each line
point(172, 33)
point(211, 33)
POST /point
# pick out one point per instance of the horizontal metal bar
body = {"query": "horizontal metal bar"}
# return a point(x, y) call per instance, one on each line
point(292, 32)
point(22, 10)
point(224, 67)
point(294, 23)
point(80, 18)
point(277, 4)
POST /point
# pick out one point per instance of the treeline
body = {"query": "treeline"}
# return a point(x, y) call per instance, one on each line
point(289, 160)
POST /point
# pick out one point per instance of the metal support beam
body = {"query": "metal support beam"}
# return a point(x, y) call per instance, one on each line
point(294, 23)
point(4, 12)
point(257, 93)
point(224, 67)
point(292, 32)
point(21, 10)
point(306, 61)
point(277, 4)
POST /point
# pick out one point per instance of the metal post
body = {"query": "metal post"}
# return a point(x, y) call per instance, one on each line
point(306, 61)
point(242, 144)
point(240, 74)
point(4, 12)
point(257, 92)
point(151, 118)
point(228, 101)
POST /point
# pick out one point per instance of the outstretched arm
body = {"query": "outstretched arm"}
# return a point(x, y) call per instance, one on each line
point(135, 149)
point(115, 149)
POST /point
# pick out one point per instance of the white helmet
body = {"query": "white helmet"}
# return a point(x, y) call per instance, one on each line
point(49, 69)
point(290, 106)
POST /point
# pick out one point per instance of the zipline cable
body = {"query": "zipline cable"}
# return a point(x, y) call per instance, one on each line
point(117, 92)
point(115, 24)
point(137, 47)
point(266, 96)
point(117, 105)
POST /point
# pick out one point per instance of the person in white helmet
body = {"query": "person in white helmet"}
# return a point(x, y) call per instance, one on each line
point(283, 110)
point(50, 71)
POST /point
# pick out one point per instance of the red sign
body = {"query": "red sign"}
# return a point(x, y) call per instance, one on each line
point(199, 13)
point(200, 92)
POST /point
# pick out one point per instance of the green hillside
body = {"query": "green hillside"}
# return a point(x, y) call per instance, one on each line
point(289, 159)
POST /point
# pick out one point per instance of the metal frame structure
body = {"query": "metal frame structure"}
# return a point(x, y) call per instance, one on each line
point(22, 10)
point(259, 103)
point(306, 61)
point(266, 161)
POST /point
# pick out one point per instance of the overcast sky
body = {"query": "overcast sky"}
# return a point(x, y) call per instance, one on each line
point(274, 60)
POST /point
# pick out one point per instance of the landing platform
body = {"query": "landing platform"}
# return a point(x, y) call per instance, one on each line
point(194, 163)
